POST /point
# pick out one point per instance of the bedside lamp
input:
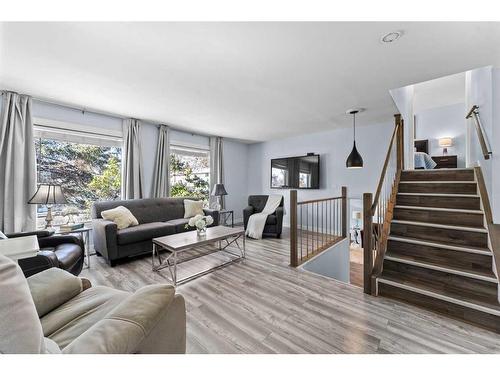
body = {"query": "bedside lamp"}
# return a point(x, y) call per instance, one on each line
point(218, 191)
point(48, 195)
point(445, 143)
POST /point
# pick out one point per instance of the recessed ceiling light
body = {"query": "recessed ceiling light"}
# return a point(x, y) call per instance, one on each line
point(391, 37)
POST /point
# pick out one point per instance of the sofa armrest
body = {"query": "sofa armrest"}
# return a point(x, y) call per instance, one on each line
point(129, 325)
point(215, 215)
point(53, 287)
point(44, 260)
point(54, 241)
point(39, 233)
point(104, 234)
point(247, 212)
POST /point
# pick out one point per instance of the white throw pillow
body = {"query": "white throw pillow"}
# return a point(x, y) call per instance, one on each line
point(121, 216)
point(192, 208)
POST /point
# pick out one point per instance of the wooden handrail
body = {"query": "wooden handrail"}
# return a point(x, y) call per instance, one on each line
point(318, 200)
point(493, 229)
point(474, 112)
point(384, 168)
point(374, 245)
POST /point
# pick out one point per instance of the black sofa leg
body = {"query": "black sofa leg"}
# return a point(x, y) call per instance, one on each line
point(112, 263)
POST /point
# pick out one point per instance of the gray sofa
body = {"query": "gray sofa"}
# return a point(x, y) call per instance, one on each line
point(157, 217)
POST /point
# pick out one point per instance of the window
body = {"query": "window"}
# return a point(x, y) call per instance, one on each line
point(87, 167)
point(189, 172)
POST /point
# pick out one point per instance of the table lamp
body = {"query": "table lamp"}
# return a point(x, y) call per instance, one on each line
point(445, 143)
point(218, 191)
point(48, 194)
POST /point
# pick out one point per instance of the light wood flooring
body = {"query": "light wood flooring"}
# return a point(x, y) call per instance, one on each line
point(261, 305)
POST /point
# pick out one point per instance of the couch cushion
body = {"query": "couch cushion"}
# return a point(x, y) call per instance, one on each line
point(146, 210)
point(144, 232)
point(271, 220)
point(180, 225)
point(192, 208)
point(121, 216)
point(76, 316)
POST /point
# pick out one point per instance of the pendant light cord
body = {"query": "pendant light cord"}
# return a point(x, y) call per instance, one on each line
point(354, 125)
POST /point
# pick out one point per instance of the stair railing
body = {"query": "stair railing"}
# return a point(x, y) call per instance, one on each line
point(316, 225)
point(493, 229)
point(378, 210)
point(485, 147)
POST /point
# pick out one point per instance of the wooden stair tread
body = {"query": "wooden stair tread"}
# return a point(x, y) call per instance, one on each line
point(454, 269)
point(482, 303)
point(444, 226)
point(453, 210)
point(445, 245)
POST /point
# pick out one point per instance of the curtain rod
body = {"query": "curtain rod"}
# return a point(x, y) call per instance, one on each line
point(104, 113)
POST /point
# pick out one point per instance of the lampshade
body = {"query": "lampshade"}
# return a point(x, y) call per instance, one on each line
point(48, 194)
point(219, 190)
point(445, 142)
point(354, 160)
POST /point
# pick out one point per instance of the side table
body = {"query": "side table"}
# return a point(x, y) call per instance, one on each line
point(224, 217)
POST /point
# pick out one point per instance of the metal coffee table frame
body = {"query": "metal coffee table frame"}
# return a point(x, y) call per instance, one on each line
point(164, 262)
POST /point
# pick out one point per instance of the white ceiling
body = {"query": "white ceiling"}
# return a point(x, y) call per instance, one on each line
point(439, 92)
point(252, 81)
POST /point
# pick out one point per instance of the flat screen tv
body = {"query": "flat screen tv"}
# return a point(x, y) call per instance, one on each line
point(298, 172)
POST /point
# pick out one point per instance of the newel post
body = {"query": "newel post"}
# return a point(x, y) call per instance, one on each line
point(367, 242)
point(294, 262)
point(344, 212)
point(399, 141)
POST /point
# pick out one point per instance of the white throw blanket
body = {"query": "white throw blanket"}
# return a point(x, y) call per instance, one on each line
point(256, 222)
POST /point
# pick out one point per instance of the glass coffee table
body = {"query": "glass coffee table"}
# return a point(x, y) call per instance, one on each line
point(223, 237)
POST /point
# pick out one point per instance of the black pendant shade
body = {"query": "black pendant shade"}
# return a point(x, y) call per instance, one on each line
point(354, 160)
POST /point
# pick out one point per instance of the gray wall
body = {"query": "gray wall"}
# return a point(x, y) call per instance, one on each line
point(333, 146)
point(448, 121)
point(333, 263)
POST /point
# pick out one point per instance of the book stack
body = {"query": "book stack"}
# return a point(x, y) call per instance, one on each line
point(70, 227)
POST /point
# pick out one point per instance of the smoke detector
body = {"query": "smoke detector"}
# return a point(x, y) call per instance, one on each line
point(391, 37)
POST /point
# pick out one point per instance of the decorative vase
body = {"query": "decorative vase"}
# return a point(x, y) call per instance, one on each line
point(202, 231)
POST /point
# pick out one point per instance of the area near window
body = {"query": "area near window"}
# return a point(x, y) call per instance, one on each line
point(86, 164)
point(189, 171)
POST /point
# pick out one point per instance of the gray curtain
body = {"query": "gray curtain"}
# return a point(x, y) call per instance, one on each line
point(17, 164)
point(216, 160)
point(161, 176)
point(132, 173)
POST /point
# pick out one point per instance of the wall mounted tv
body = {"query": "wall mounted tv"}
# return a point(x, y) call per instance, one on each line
point(298, 172)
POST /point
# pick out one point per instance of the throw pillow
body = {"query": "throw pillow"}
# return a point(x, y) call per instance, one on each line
point(192, 208)
point(121, 216)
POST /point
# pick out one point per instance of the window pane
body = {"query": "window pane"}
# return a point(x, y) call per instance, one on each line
point(87, 173)
point(189, 173)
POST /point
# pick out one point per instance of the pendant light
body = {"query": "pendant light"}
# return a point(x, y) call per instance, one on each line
point(354, 160)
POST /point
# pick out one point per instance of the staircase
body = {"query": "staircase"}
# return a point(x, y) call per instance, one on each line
point(437, 254)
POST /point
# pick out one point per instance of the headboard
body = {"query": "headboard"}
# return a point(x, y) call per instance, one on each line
point(422, 145)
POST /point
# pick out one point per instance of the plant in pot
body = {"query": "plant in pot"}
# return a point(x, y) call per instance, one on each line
point(201, 223)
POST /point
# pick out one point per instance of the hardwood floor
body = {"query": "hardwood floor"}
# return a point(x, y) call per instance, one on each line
point(261, 305)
